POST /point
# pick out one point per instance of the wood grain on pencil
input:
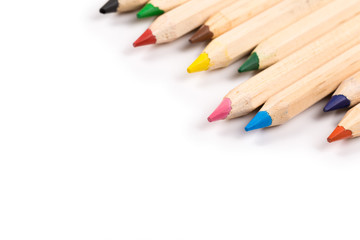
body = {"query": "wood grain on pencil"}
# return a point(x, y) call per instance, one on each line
point(349, 127)
point(304, 93)
point(256, 91)
point(300, 33)
point(233, 45)
point(347, 95)
point(231, 17)
point(180, 21)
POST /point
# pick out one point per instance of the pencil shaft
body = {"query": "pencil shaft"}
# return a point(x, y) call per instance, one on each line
point(237, 13)
point(239, 41)
point(350, 88)
point(351, 121)
point(312, 88)
point(254, 92)
point(130, 5)
point(185, 18)
point(304, 31)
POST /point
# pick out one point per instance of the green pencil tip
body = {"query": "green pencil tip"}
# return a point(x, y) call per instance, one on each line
point(149, 10)
point(253, 63)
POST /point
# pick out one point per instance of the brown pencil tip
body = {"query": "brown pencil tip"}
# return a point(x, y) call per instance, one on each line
point(203, 34)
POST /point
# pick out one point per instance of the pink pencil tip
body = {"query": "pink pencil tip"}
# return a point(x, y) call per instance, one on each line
point(222, 111)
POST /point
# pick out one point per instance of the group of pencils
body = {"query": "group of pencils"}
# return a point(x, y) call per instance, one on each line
point(306, 50)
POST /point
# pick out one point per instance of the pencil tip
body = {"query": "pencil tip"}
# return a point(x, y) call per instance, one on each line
point(222, 111)
point(146, 38)
point(337, 102)
point(251, 64)
point(149, 10)
point(261, 120)
point(202, 63)
point(339, 133)
point(203, 34)
point(109, 7)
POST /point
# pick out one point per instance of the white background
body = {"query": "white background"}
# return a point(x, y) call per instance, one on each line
point(102, 141)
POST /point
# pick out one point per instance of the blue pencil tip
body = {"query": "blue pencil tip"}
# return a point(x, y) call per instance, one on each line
point(337, 102)
point(261, 120)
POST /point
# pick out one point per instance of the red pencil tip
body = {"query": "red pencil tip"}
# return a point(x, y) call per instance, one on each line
point(222, 111)
point(339, 134)
point(146, 38)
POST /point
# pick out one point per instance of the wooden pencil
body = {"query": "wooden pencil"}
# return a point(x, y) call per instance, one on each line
point(122, 6)
point(158, 7)
point(300, 33)
point(347, 95)
point(239, 41)
point(349, 127)
point(231, 17)
point(298, 97)
point(180, 21)
point(256, 91)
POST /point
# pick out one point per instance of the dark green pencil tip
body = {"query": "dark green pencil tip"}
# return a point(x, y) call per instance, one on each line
point(149, 10)
point(109, 7)
point(252, 64)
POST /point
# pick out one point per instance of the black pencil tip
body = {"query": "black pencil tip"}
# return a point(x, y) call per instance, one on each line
point(109, 7)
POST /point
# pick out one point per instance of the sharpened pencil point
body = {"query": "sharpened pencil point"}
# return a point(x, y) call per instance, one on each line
point(149, 10)
point(222, 111)
point(202, 63)
point(251, 64)
point(337, 102)
point(339, 134)
point(110, 7)
point(261, 120)
point(146, 38)
point(201, 35)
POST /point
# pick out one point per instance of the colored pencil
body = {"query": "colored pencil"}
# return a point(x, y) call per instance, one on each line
point(300, 33)
point(180, 21)
point(306, 92)
point(239, 41)
point(347, 95)
point(122, 6)
point(349, 127)
point(256, 91)
point(231, 17)
point(158, 7)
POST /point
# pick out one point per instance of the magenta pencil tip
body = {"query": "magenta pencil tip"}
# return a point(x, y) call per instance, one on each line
point(222, 111)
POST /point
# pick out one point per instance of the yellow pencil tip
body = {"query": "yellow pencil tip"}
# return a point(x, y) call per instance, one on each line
point(202, 63)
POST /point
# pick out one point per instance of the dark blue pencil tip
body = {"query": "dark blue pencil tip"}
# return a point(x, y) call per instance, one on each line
point(337, 102)
point(261, 120)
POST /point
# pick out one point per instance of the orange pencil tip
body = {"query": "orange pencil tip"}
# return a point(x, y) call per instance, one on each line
point(339, 133)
